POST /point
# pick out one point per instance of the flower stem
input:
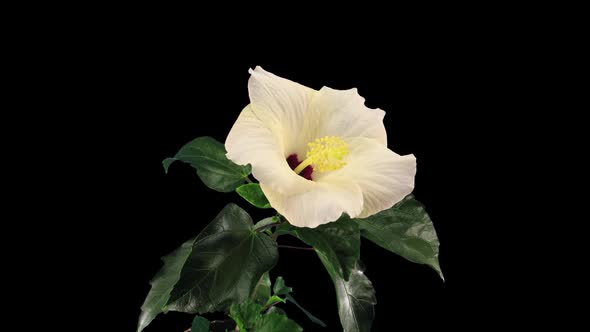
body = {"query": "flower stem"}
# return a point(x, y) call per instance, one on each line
point(294, 247)
point(267, 226)
point(256, 288)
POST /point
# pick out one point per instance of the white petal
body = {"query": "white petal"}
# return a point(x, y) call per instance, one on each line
point(250, 141)
point(343, 113)
point(323, 203)
point(284, 106)
point(384, 177)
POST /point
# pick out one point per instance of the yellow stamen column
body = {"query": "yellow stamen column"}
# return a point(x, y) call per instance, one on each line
point(325, 154)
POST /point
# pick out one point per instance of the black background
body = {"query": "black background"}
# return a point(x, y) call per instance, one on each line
point(445, 97)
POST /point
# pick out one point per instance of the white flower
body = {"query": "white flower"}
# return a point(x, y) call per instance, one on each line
point(340, 143)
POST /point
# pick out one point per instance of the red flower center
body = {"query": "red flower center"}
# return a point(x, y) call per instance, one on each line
point(294, 162)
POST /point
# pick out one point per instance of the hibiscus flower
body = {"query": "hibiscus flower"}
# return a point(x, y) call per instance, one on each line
point(317, 154)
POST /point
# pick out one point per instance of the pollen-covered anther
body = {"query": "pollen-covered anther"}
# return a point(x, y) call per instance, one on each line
point(325, 154)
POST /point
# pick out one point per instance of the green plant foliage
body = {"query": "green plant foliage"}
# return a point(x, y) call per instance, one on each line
point(207, 156)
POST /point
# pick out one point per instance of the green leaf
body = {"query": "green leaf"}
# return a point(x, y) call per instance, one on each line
point(262, 289)
point(162, 284)
point(266, 222)
point(274, 322)
point(280, 288)
point(355, 297)
point(245, 314)
point(200, 324)
point(167, 162)
point(338, 242)
point(274, 299)
point(307, 313)
point(254, 195)
point(286, 228)
point(275, 310)
point(207, 156)
point(227, 260)
point(405, 229)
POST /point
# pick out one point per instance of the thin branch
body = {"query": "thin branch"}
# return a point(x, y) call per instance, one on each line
point(214, 322)
point(294, 247)
point(267, 226)
point(256, 288)
point(266, 308)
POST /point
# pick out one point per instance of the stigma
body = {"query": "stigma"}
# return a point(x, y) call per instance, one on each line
point(293, 162)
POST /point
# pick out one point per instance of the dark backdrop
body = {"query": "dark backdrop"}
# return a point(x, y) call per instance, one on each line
point(158, 91)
